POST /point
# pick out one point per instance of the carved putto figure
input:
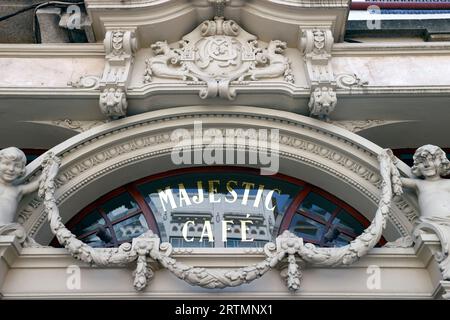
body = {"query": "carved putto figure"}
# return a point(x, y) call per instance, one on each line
point(12, 168)
point(433, 191)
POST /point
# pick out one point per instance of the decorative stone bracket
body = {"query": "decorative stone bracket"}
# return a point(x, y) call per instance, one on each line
point(316, 45)
point(148, 247)
point(120, 48)
point(440, 227)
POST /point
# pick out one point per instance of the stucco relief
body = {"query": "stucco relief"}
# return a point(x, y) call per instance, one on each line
point(287, 245)
point(120, 48)
point(140, 145)
point(316, 45)
point(216, 53)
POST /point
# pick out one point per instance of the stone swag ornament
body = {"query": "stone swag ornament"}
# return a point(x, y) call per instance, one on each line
point(288, 253)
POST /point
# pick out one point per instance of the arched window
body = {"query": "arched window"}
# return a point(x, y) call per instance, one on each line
point(208, 201)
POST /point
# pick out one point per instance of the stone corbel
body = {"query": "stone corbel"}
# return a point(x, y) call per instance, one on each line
point(431, 239)
point(316, 45)
point(441, 228)
point(120, 48)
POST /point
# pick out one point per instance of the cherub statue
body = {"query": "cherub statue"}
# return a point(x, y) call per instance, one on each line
point(433, 191)
point(12, 168)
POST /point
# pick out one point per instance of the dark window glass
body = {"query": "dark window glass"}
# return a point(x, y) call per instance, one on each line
point(90, 223)
point(348, 223)
point(317, 205)
point(120, 206)
point(306, 228)
point(130, 228)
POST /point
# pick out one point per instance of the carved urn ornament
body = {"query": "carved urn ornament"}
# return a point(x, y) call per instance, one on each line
point(216, 53)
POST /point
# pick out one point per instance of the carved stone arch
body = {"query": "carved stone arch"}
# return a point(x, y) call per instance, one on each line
point(108, 156)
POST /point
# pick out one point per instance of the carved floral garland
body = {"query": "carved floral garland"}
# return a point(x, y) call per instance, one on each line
point(286, 245)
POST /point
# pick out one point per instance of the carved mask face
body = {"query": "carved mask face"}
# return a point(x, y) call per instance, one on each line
point(10, 170)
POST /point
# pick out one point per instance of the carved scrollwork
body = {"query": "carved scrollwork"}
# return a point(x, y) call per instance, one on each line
point(120, 48)
point(287, 244)
point(440, 227)
point(86, 82)
point(348, 81)
point(19, 231)
point(216, 53)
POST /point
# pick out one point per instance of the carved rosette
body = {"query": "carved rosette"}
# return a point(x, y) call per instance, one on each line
point(287, 244)
point(216, 53)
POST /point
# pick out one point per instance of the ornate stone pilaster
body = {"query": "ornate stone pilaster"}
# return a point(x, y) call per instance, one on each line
point(316, 45)
point(120, 48)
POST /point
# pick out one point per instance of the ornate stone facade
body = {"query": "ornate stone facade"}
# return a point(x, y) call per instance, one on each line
point(107, 111)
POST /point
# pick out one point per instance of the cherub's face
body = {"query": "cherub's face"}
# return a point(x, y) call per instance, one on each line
point(430, 166)
point(10, 170)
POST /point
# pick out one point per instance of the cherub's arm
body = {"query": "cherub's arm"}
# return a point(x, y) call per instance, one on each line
point(30, 187)
point(34, 185)
point(409, 183)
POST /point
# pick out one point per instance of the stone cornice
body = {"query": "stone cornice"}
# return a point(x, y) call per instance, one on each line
point(262, 16)
point(390, 48)
point(149, 3)
point(339, 49)
point(52, 50)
